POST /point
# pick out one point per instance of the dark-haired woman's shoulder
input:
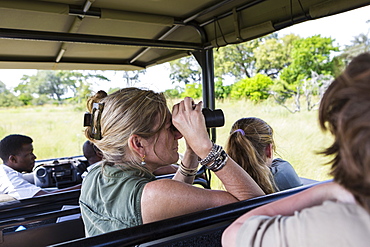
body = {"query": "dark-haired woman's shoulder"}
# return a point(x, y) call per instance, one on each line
point(317, 226)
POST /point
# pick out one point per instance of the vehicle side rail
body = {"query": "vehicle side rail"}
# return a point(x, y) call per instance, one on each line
point(44, 235)
point(37, 205)
point(37, 218)
point(211, 218)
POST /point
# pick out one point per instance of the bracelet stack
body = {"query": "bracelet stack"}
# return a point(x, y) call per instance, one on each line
point(186, 171)
point(216, 159)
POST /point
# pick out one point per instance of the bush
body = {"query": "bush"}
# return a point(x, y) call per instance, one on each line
point(193, 90)
point(173, 93)
point(221, 91)
point(26, 98)
point(255, 88)
point(8, 99)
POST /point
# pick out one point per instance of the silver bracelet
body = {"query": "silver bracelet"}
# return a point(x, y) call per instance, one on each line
point(220, 162)
point(213, 154)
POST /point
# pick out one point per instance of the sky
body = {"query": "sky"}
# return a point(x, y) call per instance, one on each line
point(342, 27)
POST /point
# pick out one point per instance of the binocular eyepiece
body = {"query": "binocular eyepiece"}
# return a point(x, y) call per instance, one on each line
point(214, 118)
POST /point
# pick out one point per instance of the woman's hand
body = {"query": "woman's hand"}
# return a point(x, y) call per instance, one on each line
point(187, 117)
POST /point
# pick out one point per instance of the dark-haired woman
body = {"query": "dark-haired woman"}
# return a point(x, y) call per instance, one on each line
point(331, 214)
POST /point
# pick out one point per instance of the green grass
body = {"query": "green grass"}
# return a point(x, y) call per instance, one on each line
point(298, 136)
point(57, 131)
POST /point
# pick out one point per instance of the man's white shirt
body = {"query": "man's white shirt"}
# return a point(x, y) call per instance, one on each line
point(13, 184)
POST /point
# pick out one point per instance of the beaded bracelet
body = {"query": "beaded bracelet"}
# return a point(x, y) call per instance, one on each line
point(219, 162)
point(186, 171)
point(217, 156)
point(213, 154)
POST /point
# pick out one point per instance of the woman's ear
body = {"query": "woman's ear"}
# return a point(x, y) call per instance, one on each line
point(135, 144)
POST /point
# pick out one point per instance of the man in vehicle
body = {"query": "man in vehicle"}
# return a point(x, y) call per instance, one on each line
point(16, 151)
point(92, 154)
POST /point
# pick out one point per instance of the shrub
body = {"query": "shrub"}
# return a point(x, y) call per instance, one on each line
point(193, 90)
point(255, 88)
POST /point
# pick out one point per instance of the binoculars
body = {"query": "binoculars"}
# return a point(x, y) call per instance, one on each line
point(214, 118)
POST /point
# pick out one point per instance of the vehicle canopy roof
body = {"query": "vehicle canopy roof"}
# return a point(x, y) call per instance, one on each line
point(132, 35)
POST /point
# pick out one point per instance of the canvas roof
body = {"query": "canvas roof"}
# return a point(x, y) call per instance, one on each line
point(136, 34)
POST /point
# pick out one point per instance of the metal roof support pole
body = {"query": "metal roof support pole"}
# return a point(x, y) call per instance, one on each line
point(205, 60)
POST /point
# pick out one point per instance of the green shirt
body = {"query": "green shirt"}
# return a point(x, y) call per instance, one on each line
point(111, 199)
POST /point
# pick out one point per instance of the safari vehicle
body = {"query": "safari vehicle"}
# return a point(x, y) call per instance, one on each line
point(133, 35)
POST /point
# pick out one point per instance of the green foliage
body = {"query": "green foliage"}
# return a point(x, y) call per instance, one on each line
point(174, 93)
point(359, 44)
point(56, 85)
point(193, 90)
point(272, 55)
point(289, 60)
point(47, 82)
point(309, 54)
point(7, 98)
point(221, 91)
point(236, 60)
point(26, 98)
point(255, 88)
point(185, 70)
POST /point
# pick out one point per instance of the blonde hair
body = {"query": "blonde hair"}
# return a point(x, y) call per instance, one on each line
point(246, 144)
point(345, 111)
point(126, 112)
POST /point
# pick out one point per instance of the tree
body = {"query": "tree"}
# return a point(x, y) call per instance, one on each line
point(7, 98)
point(312, 54)
point(359, 44)
point(56, 84)
point(272, 55)
point(311, 61)
point(236, 60)
point(132, 77)
point(45, 82)
point(185, 70)
point(317, 85)
point(309, 54)
point(232, 60)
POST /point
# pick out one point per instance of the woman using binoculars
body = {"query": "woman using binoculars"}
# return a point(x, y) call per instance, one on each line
point(137, 134)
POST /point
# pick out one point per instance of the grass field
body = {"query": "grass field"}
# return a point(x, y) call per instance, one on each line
point(57, 131)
